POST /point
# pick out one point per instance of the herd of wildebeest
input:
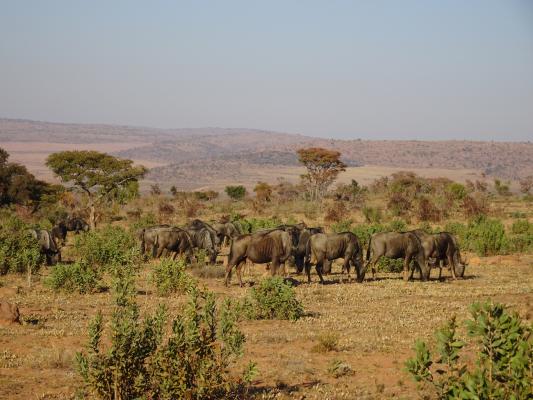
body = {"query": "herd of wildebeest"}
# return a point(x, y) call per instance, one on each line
point(302, 245)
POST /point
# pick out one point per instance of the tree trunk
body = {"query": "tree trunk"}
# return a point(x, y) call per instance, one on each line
point(92, 215)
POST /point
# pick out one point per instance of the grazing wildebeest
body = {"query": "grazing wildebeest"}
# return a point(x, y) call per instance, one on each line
point(199, 224)
point(47, 245)
point(299, 253)
point(271, 246)
point(396, 245)
point(329, 247)
point(59, 233)
point(147, 236)
point(227, 231)
point(76, 225)
point(444, 249)
point(203, 239)
point(174, 240)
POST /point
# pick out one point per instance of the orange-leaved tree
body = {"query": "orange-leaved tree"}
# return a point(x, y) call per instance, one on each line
point(323, 167)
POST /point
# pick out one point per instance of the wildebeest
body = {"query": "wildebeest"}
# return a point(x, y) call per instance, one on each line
point(227, 231)
point(328, 247)
point(76, 225)
point(59, 232)
point(272, 246)
point(203, 239)
point(199, 224)
point(47, 245)
point(444, 249)
point(147, 236)
point(396, 245)
point(174, 240)
point(299, 252)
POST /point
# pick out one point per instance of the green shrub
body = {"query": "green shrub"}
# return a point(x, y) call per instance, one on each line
point(110, 248)
point(521, 226)
point(386, 264)
point(272, 299)
point(19, 250)
point(145, 220)
point(342, 226)
point(338, 368)
point(235, 192)
point(397, 225)
point(372, 214)
point(486, 236)
point(250, 225)
point(142, 361)
point(77, 277)
point(169, 277)
point(457, 191)
point(504, 365)
point(364, 232)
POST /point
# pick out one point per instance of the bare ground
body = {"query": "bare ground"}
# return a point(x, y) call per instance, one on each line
point(376, 324)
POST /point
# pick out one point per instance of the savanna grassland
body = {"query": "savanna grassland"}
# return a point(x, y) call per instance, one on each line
point(352, 340)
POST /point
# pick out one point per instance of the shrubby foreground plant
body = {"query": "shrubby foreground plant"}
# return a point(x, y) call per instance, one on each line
point(504, 364)
point(273, 298)
point(145, 360)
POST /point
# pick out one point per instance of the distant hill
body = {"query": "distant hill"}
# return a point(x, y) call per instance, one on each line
point(204, 157)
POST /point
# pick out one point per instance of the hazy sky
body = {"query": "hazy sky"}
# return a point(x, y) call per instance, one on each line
point(347, 69)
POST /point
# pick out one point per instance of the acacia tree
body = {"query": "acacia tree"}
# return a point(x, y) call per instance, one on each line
point(323, 167)
point(99, 175)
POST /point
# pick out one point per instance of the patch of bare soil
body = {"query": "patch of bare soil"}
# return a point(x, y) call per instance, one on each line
point(375, 324)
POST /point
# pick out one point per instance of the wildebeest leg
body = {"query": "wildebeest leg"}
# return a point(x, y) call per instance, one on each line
point(406, 262)
point(229, 267)
point(451, 264)
point(346, 266)
point(318, 268)
point(440, 265)
point(274, 267)
point(239, 272)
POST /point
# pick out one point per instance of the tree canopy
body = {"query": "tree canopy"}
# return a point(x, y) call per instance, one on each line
point(18, 186)
point(323, 167)
point(99, 175)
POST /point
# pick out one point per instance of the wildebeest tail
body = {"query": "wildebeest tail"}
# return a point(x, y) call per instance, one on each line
point(368, 249)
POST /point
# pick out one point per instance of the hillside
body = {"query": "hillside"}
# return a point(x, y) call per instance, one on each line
point(210, 157)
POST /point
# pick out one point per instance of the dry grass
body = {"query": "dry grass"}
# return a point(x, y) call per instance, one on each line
point(369, 327)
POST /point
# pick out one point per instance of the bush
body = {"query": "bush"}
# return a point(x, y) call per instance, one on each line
point(504, 366)
point(144, 221)
point(521, 226)
point(169, 277)
point(236, 192)
point(364, 232)
point(342, 226)
point(486, 236)
point(372, 214)
point(19, 251)
point(192, 362)
point(250, 225)
point(77, 277)
point(110, 247)
point(272, 299)
point(327, 342)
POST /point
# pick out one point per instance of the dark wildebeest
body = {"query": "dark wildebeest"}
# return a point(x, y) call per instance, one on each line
point(199, 224)
point(204, 239)
point(329, 247)
point(47, 245)
point(59, 233)
point(76, 225)
point(174, 240)
point(227, 231)
point(444, 249)
point(272, 246)
point(147, 236)
point(396, 245)
point(299, 253)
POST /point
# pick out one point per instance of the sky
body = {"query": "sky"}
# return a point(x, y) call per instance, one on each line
point(427, 69)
